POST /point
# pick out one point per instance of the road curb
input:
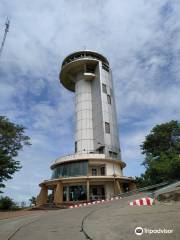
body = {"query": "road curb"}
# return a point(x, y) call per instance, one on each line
point(94, 203)
point(146, 201)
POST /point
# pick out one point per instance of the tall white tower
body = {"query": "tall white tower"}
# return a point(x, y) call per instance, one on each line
point(95, 170)
point(88, 74)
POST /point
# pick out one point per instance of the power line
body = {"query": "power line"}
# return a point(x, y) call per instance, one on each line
point(7, 24)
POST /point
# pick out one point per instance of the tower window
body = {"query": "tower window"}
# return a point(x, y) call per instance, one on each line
point(113, 154)
point(104, 88)
point(107, 127)
point(75, 147)
point(101, 149)
point(109, 99)
point(105, 67)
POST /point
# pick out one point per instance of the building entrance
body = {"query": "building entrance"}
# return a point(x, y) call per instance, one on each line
point(97, 192)
point(74, 193)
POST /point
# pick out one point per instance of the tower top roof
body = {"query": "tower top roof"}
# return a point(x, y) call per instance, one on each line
point(85, 52)
point(74, 62)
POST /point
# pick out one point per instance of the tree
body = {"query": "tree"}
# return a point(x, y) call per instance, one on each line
point(32, 201)
point(23, 204)
point(6, 203)
point(12, 140)
point(162, 154)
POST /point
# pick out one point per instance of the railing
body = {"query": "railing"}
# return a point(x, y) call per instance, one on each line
point(76, 57)
point(82, 55)
point(75, 155)
point(169, 187)
point(155, 186)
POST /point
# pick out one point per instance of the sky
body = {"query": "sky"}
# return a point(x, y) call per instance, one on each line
point(140, 38)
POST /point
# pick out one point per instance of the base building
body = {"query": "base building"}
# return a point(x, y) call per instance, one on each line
point(95, 170)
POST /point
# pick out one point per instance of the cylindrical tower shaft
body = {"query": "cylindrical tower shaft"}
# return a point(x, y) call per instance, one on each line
point(88, 74)
point(84, 122)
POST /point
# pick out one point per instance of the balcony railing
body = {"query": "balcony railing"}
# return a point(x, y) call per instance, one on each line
point(82, 56)
point(83, 155)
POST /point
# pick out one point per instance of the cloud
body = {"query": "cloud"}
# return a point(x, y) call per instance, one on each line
point(141, 40)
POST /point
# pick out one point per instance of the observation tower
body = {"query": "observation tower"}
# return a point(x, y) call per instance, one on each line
point(95, 170)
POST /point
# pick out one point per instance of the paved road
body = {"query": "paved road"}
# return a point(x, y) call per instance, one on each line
point(111, 221)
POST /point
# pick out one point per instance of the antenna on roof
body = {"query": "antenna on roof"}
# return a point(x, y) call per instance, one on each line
point(6, 30)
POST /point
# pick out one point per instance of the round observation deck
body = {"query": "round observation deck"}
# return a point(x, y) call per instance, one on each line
point(75, 63)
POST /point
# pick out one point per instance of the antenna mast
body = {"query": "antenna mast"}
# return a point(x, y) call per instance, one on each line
point(7, 23)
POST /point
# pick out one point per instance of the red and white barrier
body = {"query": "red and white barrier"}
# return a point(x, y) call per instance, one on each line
point(147, 201)
point(94, 202)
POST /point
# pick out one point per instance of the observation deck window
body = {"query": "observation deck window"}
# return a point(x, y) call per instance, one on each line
point(94, 172)
point(102, 170)
point(71, 169)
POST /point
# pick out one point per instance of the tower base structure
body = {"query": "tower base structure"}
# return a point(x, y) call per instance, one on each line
point(84, 178)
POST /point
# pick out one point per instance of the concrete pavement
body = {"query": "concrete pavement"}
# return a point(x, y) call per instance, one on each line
point(118, 222)
point(111, 221)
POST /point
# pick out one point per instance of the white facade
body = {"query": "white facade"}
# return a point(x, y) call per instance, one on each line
point(88, 74)
point(84, 118)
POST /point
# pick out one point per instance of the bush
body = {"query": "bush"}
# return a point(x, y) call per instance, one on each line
point(15, 208)
point(6, 203)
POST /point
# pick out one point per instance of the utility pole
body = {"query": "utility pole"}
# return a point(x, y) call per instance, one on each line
point(7, 24)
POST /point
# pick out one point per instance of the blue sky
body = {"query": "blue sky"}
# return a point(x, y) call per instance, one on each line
point(141, 40)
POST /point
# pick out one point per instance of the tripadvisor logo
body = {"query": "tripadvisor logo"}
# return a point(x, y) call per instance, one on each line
point(139, 231)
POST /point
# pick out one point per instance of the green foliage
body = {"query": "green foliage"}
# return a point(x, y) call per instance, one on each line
point(6, 203)
point(32, 201)
point(12, 140)
point(15, 208)
point(50, 198)
point(162, 154)
point(163, 138)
